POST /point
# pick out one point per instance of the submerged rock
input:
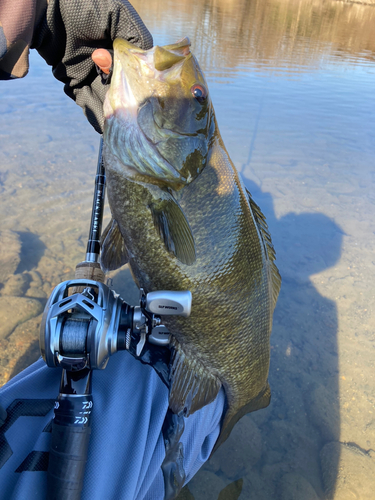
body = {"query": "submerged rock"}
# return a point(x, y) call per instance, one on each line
point(20, 349)
point(244, 447)
point(36, 286)
point(10, 250)
point(258, 487)
point(206, 485)
point(348, 472)
point(16, 285)
point(296, 487)
point(16, 310)
point(185, 494)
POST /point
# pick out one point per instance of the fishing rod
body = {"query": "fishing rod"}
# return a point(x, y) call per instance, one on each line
point(84, 323)
point(90, 268)
point(71, 426)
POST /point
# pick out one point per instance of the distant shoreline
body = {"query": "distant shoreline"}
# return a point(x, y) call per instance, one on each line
point(361, 2)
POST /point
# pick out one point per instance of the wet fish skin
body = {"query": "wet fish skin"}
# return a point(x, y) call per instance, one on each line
point(188, 223)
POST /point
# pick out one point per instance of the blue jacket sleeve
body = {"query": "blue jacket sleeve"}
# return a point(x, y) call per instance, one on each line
point(126, 446)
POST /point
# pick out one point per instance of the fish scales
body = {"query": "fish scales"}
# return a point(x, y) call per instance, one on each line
point(219, 248)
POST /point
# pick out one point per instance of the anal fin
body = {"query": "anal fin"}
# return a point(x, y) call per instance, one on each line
point(192, 386)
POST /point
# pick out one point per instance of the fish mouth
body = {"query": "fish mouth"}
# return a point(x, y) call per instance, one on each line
point(127, 141)
point(133, 128)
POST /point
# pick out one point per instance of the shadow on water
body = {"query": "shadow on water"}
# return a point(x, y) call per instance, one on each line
point(304, 372)
point(32, 250)
point(304, 413)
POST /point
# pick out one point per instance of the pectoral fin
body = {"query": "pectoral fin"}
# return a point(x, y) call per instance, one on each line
point(113, 251)
point(174, 229)
point(192, 386)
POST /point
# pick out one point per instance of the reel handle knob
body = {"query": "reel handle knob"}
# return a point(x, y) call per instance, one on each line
point(169, 303)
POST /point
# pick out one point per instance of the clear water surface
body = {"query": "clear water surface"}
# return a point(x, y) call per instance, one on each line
point(293, 84)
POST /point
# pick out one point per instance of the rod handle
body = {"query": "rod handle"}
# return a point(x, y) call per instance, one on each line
point(71, 429)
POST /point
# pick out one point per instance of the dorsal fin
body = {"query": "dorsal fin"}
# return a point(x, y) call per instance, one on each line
point(270, 251)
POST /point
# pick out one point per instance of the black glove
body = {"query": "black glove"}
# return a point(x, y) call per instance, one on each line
point(68, 34)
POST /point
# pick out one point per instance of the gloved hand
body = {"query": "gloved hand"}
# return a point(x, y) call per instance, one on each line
point(71, 30)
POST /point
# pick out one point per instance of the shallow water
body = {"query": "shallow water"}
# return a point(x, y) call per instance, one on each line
point(292, 83)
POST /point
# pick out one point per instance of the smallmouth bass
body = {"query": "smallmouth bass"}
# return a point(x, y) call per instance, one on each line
point(183, 220)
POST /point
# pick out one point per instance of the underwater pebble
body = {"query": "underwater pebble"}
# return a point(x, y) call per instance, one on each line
point(206, 485)
point(10, 249)
point(348, 473)
point(296, 487)
point(36, 286)
point(274, 472)
point(244, 447)
point(273, 457)
point(185, 494)
point(16, 310)
point(20, 349)
point(16, 285)
point(36, 280)
point(257, 487)
point(36, 293)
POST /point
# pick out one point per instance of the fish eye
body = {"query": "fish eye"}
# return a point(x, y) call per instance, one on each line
point(199, 92)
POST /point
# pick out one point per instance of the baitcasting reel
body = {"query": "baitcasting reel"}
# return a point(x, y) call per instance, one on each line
point(81, 330)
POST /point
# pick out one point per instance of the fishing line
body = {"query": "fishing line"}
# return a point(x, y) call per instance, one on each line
point(255, 133)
